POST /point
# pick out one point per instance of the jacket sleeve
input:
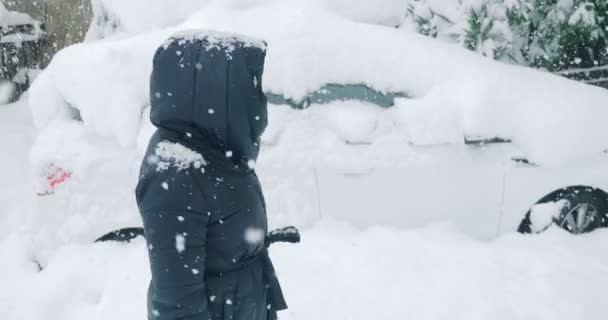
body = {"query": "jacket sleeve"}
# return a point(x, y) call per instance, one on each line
point(175, 225)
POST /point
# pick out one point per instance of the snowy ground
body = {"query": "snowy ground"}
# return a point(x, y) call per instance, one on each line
point(338, 272)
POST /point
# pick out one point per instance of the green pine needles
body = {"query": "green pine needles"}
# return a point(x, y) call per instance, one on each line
point(555, 35)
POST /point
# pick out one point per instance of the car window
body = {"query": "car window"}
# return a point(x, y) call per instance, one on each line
point(339, 92)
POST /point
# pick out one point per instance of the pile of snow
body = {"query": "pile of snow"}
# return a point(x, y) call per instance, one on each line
point(9, 18)
point(455, 92)
point(135, 16)
point(383, 12)
point(432, 273)
point(353, 121)
point(169, 154)
point(542, 215)
point(7, 90)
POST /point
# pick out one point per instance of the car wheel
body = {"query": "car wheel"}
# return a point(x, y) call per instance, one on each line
point(583, 209)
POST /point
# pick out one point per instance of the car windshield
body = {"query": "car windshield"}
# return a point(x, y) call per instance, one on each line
point(339, 92)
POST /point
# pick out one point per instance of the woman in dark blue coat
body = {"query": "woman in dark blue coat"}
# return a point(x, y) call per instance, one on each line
point(200, 200)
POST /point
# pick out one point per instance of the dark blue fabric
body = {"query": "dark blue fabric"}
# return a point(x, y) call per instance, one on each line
point(220, 274)
point(212, 91)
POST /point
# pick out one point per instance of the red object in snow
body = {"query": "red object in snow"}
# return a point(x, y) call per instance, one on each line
point(54, 177)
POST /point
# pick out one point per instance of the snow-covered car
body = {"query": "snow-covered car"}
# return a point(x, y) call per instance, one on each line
point(21, 42)
point(368, 124)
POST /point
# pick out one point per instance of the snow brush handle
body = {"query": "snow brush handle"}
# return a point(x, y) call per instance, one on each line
point(287, 234)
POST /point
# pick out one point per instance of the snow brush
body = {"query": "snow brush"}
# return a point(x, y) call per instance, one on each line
point(287, 234)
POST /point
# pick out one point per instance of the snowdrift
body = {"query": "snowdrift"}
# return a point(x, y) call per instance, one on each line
point(453, 92)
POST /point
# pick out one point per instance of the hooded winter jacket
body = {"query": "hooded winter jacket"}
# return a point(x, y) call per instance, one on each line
point(201, 203)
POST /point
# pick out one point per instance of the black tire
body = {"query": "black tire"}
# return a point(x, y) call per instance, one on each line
point(577, 196)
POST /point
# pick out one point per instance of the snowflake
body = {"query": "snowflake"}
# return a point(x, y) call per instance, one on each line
point(180, 243)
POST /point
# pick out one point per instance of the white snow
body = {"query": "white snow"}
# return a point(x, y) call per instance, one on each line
point(180, 243)
point(353, 121)
point(583, 15)
point(547, 116)
point(431, 273)
point(215, 39)
point(385, 12)
point(254, 236)
point(542, 214)
point(174, 154)
point(13, 18)
point(343, 272)
point(136, 16)
point(7, 89)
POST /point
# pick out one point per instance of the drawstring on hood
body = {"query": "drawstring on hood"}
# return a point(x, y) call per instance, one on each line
point(206, 88)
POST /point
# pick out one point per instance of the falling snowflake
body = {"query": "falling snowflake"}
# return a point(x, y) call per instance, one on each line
point(228, 154)
point(165, 185)
point(211, 111)
point(180, 218)
point(254, 235)
point(180, 243)
point(195, 271)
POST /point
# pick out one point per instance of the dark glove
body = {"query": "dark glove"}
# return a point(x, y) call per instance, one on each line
point(288, 234)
